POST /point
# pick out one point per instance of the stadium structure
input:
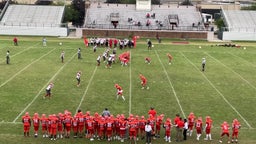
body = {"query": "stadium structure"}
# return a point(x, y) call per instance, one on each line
point(169, 19)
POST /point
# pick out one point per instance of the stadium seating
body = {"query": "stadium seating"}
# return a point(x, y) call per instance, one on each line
point(98, 15)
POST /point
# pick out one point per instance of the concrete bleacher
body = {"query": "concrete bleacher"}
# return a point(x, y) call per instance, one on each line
point(98, 15)
point(26, 19)
point(243, 21)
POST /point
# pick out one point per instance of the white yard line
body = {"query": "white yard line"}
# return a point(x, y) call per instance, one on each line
point(242, 59)
point(24, 68)
point(130, 89)
point(53, 77)
point(223, 97)
point(232, 71)
point(85, 92)
point(173, 90)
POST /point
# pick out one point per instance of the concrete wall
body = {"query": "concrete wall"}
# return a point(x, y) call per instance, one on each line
point(204, 35)
point(243, 36)
point(33, 31)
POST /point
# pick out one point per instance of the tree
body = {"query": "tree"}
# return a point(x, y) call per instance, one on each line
point(79, 9)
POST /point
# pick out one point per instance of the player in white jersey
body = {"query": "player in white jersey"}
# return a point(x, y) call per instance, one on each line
point(203, 64)
point(48, 90)
point(98, 60)
point(78, 75)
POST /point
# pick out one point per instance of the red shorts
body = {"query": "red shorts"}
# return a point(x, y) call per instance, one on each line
point(109, 132)
point(142, 129)
point(122, 133)
point(207, 131)
point(80, 128)
point(167, 133)
point(199, 131)
point(100, 132)
point(36, 128)
point(44, 128)
point(235, 134)
point(190, 127)
point(225, 133)
point(68, 128)
point(53, 131)
point(60, 128)
point(75, 129)
point(26, 128)
point(158, 127)
point(132, 133)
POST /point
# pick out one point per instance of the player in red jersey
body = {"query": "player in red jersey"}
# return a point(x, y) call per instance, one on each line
point(225, 131)
point(109, 128)
point(75, 126)
point(152, 122)
point(142, 124)
point(119, 92)
point(159, 122)
point(169, 58)
point(49, 127)
point(26, 120)
point(123, 127)
point(48, 90)
point(78, 75)
point(81, 123)
point(36, 123)
point(167, 125)
point(101, 127)
point(54, 125)
point(132, 124)
point(60, 125)
point(199, 127)
point(95, 124)
point(208, 126)
point(148, 60)
point(143, 82)
point(235, 129)
point(44, 122)
point(68, 124)
point(90, 128)
point(191, 123)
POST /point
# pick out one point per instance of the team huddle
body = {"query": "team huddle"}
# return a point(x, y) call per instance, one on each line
point(109, 127)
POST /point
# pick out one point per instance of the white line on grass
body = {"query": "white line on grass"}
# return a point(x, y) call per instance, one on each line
point(232, 71)
point(130, 89)
point(85, 92)
point(223, 97)
point(25, 68)
point(23, 51)
point(173, 90)
point(53, 77)
point(242, 59)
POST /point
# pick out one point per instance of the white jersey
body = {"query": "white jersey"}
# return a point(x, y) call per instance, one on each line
point(78, 75)
point(49, 87)
point(98, 58)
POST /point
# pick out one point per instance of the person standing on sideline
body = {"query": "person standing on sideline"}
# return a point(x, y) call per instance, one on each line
point(44, 41)
point(199, 127)
point(180, 126)
point(48, 90)
point(78, 75)
point(167, 125)
point(185, 128)
point(15, 41)
point(26, 120)
point(36, 123)
point(235, 128)
point(8, 57)
point(79, 53)
point(62, 56)
point(203, 64)
point(149, 44)
point(148, 130)
point(106, 113)
point(191, 123)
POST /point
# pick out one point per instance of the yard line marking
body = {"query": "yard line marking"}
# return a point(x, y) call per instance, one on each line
point(232, 71)
point(53, 77)
point(22, 51)
point(223, 97)
point(130, 89)
point(25, 68)
point(85, 92)
point(173, 90)
point(243, 59)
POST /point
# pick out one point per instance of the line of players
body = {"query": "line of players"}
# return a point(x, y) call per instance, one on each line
point(111, 128)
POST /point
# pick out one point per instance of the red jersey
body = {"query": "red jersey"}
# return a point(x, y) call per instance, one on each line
point(26, 120)
point(36, 121)
point(199, 125)
point(132, 125)
point(225, 127)
point(236, 126)
point(167, 126)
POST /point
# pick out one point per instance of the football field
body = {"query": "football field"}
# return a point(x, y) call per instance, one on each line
point(225, 90)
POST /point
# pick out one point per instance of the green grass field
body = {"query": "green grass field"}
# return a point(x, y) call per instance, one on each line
point(226, 90)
